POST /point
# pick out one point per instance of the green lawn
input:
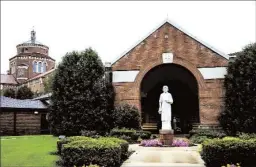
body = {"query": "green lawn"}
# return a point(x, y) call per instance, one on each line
point(32, 151)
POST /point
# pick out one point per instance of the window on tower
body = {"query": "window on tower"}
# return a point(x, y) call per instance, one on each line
point(35, 66)
point(39, 67)
point(44, 67)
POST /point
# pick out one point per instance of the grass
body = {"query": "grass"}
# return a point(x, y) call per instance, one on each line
point(29, 151)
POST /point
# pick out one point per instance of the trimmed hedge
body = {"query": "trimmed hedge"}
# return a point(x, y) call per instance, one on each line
point(218, 152)
point(144, 134)
point(61, 142)
point(208, 133)
point(124, 146)
point(129, 135)
point(104, 151)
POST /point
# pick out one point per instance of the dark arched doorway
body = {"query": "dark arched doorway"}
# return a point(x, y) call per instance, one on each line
point(184, 88)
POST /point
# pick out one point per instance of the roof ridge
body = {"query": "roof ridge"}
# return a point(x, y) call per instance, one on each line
point(167, 20)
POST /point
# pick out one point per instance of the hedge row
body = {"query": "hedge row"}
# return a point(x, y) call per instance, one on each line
point(103, 151)
point(229, 150)
point(130, 135)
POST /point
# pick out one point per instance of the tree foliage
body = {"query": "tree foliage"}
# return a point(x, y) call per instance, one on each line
point(81, 99)
point(9, 92)
point(24, 93)
point(48, 83)
point(240, 85)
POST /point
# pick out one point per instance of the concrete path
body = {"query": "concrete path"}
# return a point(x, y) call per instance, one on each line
point(164, 157)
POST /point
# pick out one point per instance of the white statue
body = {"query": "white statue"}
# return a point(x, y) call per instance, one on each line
point(165, 109)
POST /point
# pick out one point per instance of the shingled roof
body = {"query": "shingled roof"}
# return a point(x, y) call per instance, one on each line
point(8, 79)
point(7, 102)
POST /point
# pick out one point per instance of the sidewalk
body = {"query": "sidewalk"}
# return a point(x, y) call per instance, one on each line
point(164, 157)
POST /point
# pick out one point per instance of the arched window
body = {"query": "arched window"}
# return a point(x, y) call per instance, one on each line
point(39, 67)
point(44, 67)
point(35, 66)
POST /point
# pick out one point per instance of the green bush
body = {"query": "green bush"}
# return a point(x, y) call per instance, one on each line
point(239, 114)
point(129, 135)
point(123, 143)
point(61, 142)
point(208, 133)
point(81, 99)
point(198, 139)
point(247, 136)
point(93, 134)
point(104, 152)
point(218, 152)
point(9, 92)
point(127, 116)
point(144, 134)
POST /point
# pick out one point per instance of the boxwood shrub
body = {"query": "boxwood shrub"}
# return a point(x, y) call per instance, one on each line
point(144, 134)
point(61, 142)
point(218, 152)
point(209, 133)
point(103, 152)
point(123, 144)
point(129, 135)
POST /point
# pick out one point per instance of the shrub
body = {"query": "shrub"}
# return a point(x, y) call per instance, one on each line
point(198, 139)
point(9, 93)
point(104, 152)
point(239, 114)
point(129, 135)
point(123, 143)
point(61, 142)
point(217, 152)
point(93, 133)
point(81, 99)
point(144, 134)
point(24, 93)
point(127, 116)
point(208, 133)
point(247, 136)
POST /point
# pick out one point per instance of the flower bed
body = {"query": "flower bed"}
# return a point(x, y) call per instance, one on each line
point(177, 142)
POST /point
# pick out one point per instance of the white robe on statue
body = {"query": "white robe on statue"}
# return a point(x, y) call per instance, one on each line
point(166, 115)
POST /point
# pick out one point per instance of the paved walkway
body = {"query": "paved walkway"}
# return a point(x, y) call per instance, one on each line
point(164, 157)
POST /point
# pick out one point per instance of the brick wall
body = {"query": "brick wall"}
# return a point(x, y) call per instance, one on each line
point(188, 53)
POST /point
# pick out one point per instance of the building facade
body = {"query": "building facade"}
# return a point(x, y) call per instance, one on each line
point(29, 66)
point(193, 71)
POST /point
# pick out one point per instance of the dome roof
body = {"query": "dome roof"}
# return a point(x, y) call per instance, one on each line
point(32, 41)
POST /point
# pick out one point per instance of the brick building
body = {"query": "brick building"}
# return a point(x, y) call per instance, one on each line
point(30, 66)
point(169, 55)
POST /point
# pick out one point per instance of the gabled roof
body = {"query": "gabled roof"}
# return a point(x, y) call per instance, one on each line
point(8, 79)
point(179, 28)
point(7, 102)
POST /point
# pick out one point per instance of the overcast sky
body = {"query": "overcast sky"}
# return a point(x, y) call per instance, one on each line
point(113, 27)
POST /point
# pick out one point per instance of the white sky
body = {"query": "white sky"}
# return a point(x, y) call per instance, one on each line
point(113, 27)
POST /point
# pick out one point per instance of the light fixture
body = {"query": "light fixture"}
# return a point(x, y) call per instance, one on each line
point(36, 112)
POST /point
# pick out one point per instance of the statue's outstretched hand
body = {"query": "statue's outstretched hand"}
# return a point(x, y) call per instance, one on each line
point(160, 111)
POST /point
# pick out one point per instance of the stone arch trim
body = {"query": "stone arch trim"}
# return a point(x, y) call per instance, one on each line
point(178, 61)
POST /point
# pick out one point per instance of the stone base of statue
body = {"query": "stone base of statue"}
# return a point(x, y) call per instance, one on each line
point(166, 137)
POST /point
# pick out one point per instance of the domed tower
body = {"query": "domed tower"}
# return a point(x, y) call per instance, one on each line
point(31, 60)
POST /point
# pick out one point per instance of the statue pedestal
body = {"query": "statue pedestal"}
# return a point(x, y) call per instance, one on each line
point(166, 137)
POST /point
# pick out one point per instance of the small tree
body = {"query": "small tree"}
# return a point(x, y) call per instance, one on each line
point(24, 93)
point(240, 101)
point(81, 99)
point(9, 92)
point(127, 116)
point(48, 83)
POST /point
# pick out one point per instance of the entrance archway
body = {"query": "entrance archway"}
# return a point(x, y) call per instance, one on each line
point(184, 88)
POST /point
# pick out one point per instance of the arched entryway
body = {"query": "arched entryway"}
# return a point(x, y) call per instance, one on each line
point(184, 88)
